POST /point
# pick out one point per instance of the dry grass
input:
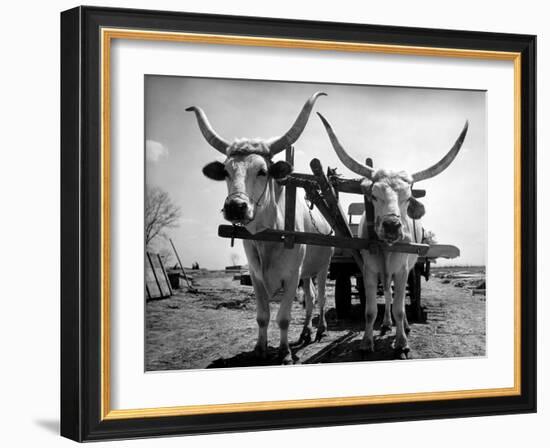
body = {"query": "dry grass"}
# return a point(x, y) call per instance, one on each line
point(217, 327)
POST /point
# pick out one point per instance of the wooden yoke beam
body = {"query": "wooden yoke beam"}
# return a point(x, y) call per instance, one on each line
point(341, 227)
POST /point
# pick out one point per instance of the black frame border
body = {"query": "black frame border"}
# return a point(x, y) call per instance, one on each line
point(81, 223)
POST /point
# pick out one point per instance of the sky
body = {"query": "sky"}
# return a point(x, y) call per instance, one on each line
point(400, 128)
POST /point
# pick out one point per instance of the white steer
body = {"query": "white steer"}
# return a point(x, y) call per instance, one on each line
point(396, 219)
point(256, 201)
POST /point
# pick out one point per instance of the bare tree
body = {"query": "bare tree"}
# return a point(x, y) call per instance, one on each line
point(160, 213)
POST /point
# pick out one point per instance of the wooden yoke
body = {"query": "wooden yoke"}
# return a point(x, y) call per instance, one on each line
point(341, 227)
point(322, 192)
point(334, 215)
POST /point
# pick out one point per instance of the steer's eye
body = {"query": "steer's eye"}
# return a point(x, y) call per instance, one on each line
point(262, 172)
point(373, 197)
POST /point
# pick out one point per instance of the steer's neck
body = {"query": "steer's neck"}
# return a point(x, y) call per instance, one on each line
point(270, 213)
point(412, 229)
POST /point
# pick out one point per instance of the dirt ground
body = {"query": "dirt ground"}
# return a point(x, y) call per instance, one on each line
point(216, 327)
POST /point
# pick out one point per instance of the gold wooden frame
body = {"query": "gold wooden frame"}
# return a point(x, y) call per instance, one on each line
point(107, 35)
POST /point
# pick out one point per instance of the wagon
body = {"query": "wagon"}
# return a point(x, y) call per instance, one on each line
point(322, 191)
point(349, 280)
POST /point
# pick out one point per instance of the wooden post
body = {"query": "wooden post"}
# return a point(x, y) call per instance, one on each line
point(369, 212)
point(290, 213)
point(165, 275)
point(330, 198)
point(181, 267)
point(290, 203)
point(341, 227)
point(155, 275)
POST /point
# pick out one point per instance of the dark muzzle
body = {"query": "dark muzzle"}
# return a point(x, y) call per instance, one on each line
point(235, 210)
point(391, 225)
point(391, 229)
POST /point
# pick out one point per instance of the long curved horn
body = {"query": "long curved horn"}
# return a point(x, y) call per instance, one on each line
point(434, 170)
point(208, 131)
point(297, 128)
point(345, 158)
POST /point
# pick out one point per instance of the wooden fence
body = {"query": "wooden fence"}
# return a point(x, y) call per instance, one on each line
point(157, 284)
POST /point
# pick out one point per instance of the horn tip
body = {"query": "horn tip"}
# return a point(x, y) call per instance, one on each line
point(464, 130)
point(325, 122)
point(191, 109)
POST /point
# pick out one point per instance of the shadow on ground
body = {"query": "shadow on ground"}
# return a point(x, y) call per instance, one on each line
point(217, 327)
point(356, 321)
point(348, 350)
point(248, 359)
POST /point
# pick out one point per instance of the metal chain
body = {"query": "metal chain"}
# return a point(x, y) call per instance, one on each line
point(310, 208)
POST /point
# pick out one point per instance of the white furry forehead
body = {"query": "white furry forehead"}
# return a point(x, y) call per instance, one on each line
point(387, 182)
point(247, 161)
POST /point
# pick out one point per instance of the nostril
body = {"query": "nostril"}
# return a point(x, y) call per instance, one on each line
point(392, 226)
point(235, 209)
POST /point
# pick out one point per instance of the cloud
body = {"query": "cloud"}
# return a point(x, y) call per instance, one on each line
point(154, 151)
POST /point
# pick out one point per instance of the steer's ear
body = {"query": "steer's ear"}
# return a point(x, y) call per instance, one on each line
point(215, 171)
point(280, 169)
point(416, 209)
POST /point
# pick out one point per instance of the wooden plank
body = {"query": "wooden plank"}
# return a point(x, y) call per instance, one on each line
point(369, 212)
point(290, 211)
point(356, 209)
point(161, 294)
point(316, 239)
point(341, 226)
point(290, 201)
point(329, 195)
point(191, 288)
point(150, 284)
point(314, 197)
point(443, 251)
point(165, 274)
point(340, 184)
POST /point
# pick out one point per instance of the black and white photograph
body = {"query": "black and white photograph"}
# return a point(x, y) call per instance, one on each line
point(274, 223)
point(305, 223)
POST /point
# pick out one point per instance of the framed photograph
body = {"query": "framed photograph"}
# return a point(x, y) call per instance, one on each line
point(276, 224)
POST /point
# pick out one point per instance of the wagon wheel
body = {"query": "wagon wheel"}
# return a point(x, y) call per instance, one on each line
point(415, 288)
point(342, 295)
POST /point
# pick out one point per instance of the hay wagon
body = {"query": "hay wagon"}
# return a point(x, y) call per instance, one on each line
point(322, 191)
